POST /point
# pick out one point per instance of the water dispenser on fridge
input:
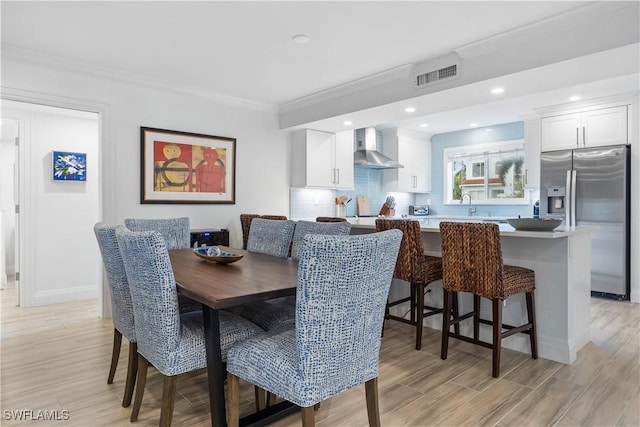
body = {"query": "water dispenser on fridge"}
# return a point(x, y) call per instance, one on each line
point(556, 198)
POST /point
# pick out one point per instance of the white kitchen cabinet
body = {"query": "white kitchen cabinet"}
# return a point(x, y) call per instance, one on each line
point(413, 151)
point(532, 153)
point(322, 159)
point(593, 128)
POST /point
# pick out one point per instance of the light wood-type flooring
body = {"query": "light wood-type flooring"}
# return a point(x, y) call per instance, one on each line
point(57, 358)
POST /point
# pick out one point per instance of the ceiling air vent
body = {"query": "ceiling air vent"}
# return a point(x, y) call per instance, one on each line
point(434, 76)
point(436, 70)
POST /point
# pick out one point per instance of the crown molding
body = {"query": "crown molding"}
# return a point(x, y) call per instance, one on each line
point(125, 77)
point(576, 107)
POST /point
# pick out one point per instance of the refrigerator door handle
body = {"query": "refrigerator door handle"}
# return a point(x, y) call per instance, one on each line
point(574, 220)
point(568, 193)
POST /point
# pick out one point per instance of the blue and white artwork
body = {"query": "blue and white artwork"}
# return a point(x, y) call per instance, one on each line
point(69, 166)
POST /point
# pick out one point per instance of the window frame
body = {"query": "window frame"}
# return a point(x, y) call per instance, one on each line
point(481, 153)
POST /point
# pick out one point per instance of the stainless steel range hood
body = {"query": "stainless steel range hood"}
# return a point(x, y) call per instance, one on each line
point(366, 154)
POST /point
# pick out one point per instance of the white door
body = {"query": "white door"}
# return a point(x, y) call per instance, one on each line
point(9, 198)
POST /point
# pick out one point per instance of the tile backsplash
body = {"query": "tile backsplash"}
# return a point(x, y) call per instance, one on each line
point(310, 203)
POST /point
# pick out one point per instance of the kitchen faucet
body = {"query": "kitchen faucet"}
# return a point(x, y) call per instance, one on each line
point(471, 210)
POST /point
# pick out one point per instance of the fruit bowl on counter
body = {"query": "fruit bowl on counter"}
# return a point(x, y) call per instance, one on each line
point(534, 224)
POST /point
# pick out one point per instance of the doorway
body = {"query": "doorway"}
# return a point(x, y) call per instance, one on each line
point(55, 258)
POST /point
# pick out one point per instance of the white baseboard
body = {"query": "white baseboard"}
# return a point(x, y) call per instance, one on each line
point(56, 296)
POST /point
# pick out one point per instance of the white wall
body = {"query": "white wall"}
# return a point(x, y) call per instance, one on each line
point(262, 162)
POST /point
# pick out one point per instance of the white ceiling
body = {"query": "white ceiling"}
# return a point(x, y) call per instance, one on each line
point(244, 49)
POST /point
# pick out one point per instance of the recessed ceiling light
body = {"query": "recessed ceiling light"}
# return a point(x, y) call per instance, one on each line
point(574, 98)
point(424, 125)
point(409, 109)
point(347, 123)
point(488, 129)
point(301, 38)
point(473, 125)
point(497, 90)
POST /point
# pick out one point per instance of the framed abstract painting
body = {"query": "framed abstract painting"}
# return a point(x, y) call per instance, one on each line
point(187, 168)
point(69, 166)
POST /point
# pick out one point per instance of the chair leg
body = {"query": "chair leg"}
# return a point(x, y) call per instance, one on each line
point(260, 397)
point(168, 399)
point(132, 370)
point(308, 417)
point(531, 315)
point(456, 311)
point(373, 410)
point(115, 354)
point(143, 365)
point(476, 317)
point(446, 323)
point(419, 314)
point(413, 304)
point(233, 405)
point(497, 336)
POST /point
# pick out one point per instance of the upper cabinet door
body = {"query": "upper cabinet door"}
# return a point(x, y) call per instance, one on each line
point(594, 128)
point(607, 126)
point(322, 159)
point(561, 132)
point(320, 166)
point(413, 151)
point(343, 159)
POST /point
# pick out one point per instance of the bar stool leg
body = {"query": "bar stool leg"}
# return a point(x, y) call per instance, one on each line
point(497, 335)
point(413, 303)
point(476, 317)
point(419, 314)
point(446, 323)
point(531, 315)
point(456, 312)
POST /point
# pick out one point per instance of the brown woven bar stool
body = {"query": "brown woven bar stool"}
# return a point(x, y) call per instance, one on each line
point(416, 268)
point(472, 262)
point(330, 219)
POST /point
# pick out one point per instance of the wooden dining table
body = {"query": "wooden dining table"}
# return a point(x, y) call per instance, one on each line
point(255, 277)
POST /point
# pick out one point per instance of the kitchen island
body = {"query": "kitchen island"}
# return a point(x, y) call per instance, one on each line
point(560, 260)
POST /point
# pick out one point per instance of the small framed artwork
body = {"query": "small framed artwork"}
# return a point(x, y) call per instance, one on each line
point(69, 166)
point(187, 168)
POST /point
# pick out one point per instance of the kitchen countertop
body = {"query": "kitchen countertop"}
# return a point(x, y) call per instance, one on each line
point(432, 224)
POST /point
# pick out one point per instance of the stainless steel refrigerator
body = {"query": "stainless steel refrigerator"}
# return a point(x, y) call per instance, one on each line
point(591, 186)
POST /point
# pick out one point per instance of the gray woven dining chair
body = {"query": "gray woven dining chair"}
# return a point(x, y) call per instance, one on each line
point(121, 306)
point(270, 236)
point(175, 231)
point(343, 284)
point(170, 341)
point(280, 312)
point(309, 227)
